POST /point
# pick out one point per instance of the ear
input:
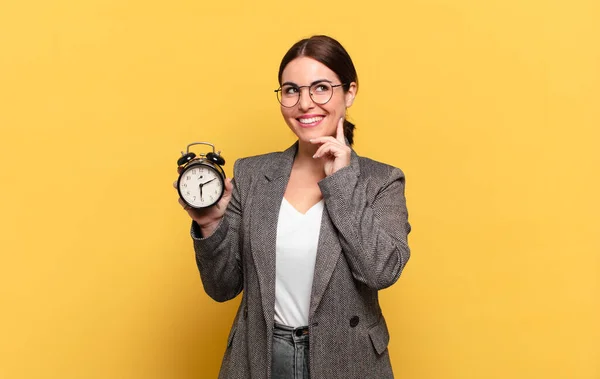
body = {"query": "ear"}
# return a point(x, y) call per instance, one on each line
point(350, 94)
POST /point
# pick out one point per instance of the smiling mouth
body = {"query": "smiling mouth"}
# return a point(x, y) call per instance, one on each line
point(310, 120)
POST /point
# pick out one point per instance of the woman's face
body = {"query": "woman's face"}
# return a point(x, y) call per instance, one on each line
point(308, 119)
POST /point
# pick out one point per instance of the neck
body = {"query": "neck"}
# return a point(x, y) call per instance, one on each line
point(304, 157)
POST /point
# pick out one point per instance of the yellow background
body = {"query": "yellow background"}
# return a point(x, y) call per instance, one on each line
point(490, 107)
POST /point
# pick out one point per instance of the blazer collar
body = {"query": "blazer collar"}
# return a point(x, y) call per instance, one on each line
point(282, 164)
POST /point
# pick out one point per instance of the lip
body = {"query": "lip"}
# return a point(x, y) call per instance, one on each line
point(308, 116)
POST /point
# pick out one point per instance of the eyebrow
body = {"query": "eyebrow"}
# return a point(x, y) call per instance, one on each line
point(315, 82)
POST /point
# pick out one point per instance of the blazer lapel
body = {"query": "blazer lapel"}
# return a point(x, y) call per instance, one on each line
point(328, 251)
point(263, 231)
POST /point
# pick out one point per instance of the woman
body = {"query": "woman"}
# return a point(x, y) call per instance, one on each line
point(309, 235)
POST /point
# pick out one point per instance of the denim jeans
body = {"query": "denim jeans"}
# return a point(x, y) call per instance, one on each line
point(290, 353)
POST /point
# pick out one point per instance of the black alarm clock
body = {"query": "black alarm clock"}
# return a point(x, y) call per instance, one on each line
point(201, 182)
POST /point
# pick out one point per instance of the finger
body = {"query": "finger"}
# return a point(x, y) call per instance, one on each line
point(328, 148)
point(228, 188)
point(183, 204)
point(322, 140)
point(226, 198)
point(340, 131)
point(320, 150)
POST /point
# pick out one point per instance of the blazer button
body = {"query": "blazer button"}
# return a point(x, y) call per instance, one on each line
point(354, 321)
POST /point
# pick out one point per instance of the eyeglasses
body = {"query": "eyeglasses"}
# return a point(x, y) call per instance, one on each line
point(288, 95)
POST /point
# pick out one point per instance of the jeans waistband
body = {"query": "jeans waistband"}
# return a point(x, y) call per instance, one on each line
point(288, 331)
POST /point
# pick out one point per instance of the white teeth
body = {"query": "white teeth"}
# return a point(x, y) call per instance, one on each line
point(310, 120)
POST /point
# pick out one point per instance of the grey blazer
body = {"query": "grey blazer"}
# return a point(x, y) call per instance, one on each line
point(362, 249)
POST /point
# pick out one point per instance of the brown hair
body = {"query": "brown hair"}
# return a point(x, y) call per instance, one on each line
point(332, 54)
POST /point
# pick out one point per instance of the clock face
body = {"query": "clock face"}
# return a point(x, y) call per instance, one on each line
point(200, 185)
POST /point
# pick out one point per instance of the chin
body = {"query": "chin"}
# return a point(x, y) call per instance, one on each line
point(307, 135)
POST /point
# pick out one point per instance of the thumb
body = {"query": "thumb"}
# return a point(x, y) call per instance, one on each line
point(226, 198)
point(228, 188)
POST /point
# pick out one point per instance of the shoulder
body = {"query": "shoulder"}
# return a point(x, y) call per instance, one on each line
point(379, 171)
point(256, 162)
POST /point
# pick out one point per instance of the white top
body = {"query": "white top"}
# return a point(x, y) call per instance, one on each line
point(296, 249)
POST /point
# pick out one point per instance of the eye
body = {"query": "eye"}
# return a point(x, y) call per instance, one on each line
point(289, 90)
point(321, 87)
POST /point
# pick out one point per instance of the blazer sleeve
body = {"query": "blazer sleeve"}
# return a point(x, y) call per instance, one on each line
point(373, 231)
point(219, 256)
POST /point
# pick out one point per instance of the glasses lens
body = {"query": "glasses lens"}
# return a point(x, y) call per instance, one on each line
point(321, 92)
point(289, 95)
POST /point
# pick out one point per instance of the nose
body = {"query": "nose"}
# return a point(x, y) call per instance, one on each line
point(305, 102)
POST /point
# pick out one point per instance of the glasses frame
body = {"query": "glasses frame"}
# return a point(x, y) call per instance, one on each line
point(333, 86)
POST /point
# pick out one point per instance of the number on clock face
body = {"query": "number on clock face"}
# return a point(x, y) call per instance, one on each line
point(200, 186)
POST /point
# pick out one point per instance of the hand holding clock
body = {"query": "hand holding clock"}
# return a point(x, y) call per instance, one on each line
point(208, 218)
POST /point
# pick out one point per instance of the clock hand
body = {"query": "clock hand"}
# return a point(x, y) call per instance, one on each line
point(208, 181)
point(201, 184)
